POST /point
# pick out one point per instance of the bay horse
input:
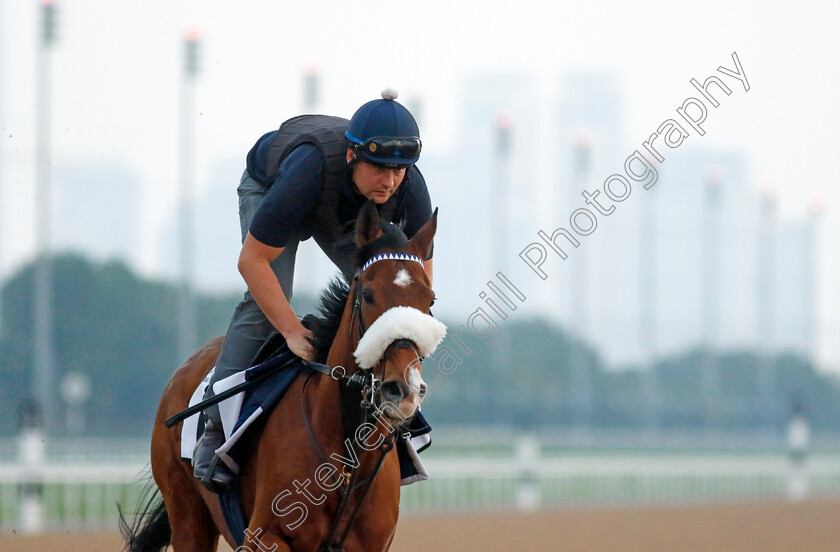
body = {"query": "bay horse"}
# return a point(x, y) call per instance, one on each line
point(286, 511)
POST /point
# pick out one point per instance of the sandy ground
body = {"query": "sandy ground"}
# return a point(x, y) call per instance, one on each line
point(757, 527)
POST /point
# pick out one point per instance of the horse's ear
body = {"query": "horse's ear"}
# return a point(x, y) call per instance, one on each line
point(367, 225)
point(422, 240)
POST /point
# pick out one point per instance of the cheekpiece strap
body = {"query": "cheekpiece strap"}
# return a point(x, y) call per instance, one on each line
point(391, 257)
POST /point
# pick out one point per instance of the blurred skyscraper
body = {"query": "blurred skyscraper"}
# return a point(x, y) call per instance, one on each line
point(742, 313)
point(471, 216)
point(96, 209)
point(218, 237)
point(794, 287)
point(591, 100)
point(682, 192)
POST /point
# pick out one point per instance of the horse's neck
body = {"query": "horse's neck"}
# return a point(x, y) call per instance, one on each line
point(326, 403)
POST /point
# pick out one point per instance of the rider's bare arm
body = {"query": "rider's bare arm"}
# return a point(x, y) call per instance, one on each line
point(255, 266)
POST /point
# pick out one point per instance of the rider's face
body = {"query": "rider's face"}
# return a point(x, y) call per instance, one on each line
point(376, 183)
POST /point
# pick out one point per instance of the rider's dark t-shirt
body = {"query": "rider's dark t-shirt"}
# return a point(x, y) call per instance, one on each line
point(297, 190)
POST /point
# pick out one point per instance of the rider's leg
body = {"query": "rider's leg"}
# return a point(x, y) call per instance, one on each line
point(248, 330)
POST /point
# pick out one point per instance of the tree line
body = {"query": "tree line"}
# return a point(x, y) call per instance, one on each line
point(120, 330)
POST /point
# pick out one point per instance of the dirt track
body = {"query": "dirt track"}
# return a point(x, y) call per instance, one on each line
point(777, 527)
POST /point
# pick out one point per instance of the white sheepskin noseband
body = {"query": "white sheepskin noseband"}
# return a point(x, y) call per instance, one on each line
point(399, 323)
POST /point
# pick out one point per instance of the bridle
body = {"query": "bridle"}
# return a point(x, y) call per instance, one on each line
point(369, 386)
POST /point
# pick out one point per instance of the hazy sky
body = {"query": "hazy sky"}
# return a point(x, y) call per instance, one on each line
point(117, 67)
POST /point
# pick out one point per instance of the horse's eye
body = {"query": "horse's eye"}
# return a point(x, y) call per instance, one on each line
point(432, 304)
point(367, 296)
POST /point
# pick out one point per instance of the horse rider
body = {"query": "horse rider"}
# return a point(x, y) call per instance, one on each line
point(309, 178)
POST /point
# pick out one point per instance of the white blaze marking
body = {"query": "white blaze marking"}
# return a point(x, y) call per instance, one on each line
point(415, 380)
point(403, 278)
point(415, 383)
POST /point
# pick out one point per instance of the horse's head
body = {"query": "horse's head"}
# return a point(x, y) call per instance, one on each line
point(391, 297)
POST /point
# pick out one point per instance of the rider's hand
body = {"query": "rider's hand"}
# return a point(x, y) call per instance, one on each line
point(298, 342)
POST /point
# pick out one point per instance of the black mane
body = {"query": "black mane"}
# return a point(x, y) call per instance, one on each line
point(334, 297)
point(325, 327)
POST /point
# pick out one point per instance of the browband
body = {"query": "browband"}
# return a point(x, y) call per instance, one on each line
point(391, 257)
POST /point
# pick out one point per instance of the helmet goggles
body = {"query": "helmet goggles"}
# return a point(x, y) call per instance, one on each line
point(389, 150)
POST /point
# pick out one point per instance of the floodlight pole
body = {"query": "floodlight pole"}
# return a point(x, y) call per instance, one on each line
point(710, 292)
point(648, 320)
point(582, 392)
point(765, 308)
point(503, 124)
point(43, 381)
point(187, 315)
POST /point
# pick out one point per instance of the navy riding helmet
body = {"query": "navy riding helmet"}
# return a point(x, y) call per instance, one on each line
point(383, 132)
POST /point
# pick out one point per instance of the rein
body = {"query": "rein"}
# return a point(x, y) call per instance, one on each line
point(367, 381)
point(334, 542)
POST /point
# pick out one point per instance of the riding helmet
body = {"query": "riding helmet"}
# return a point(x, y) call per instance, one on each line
point(383, 132)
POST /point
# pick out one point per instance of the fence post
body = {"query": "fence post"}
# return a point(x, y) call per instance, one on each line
point(527, 464)
point(798, 441)
point(31, 456)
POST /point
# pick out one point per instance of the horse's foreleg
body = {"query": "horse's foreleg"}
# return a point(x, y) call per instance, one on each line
point(390, 540)
point(258, 541)
point(199, 541)
point(193, 529)
point(190, 517)
point(192, 525)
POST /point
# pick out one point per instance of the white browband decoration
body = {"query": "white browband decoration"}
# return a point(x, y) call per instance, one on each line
point(392, 257)
point(399, 323)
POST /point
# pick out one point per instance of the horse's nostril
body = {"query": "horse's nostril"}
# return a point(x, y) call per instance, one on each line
point(422, 390)
point(394, 391)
